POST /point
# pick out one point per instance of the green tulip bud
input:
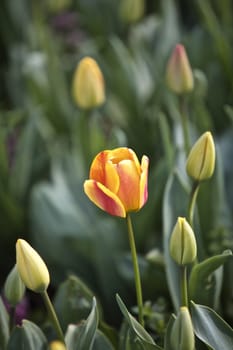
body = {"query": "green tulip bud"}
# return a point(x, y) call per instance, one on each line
point(14, 287)
point(179, 76)
point(31, 267)
point(182, 334)
point(201, 159)
point(183, 248)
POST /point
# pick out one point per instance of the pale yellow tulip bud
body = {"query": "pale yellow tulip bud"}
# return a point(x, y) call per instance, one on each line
point(182, 334)
point(201, 159)
point(132, 10)
point(14, 287)
point(57, 345)
point(31, 267)
point(179, 76)
point(183, 248)
point(88, 84)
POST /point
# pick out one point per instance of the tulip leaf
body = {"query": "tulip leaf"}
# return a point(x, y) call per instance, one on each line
point(82, 336)
point(174, 205)
point(141, 334)
point(27, 337)
point(210, 328)
point(167, 339)
point(200, 274)
point(4, 325)
point(73, 301)
point(101, 342)
point(76, 229)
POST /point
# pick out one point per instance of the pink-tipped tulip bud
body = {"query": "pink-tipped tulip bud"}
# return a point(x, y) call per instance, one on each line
point(88, 84)
point(179, 75)
point(31, 267)
point(14, 287)
point(182, 334)
point(117, 181)
point(201, 159)
point(183, 248)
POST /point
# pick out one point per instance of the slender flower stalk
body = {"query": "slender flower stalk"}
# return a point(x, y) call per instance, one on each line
point(184, 122)
point(184, 286)
point(84, 134)
point(136, 269)
point(53, 316)
point(192, 202)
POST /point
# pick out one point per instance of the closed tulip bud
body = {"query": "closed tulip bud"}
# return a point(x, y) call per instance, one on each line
point(88, 84)
point(182, 334)
point(179, 74)
point(132, 10)
point(31, 267)
point(57, 345)
point(14, 287)
point(183, 248)
point(201, 160)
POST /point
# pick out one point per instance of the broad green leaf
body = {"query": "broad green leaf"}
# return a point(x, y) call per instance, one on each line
point(200, 273)
point(82, 336)
point(174, 205)
point(73, 301)
point(211, 328)
point(110, 332)
point(143, 337)
point(67, 227)
point(128, 340)
point(167, 339)
point(4, 325)
point(101, 342)
point(27, 337)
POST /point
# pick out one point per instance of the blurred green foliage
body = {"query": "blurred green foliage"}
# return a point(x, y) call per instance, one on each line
point(43, 165)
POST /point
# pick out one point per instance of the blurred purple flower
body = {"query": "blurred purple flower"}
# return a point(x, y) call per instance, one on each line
point(21, 310)
point(67, 25)
point(65, 21)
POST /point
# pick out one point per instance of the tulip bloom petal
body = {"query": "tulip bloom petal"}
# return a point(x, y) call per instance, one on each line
point(129, 184)
point(117, 181)
point(143, 181)
point(104, 198)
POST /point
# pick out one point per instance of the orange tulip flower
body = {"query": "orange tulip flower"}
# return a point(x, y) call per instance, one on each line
point(118, 182)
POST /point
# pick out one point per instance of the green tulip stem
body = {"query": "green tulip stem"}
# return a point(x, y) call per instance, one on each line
point(184, 287)
point(53, 316)
point(192, 202)
point(184, 123)
point(136, 270)
point(84, 135)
